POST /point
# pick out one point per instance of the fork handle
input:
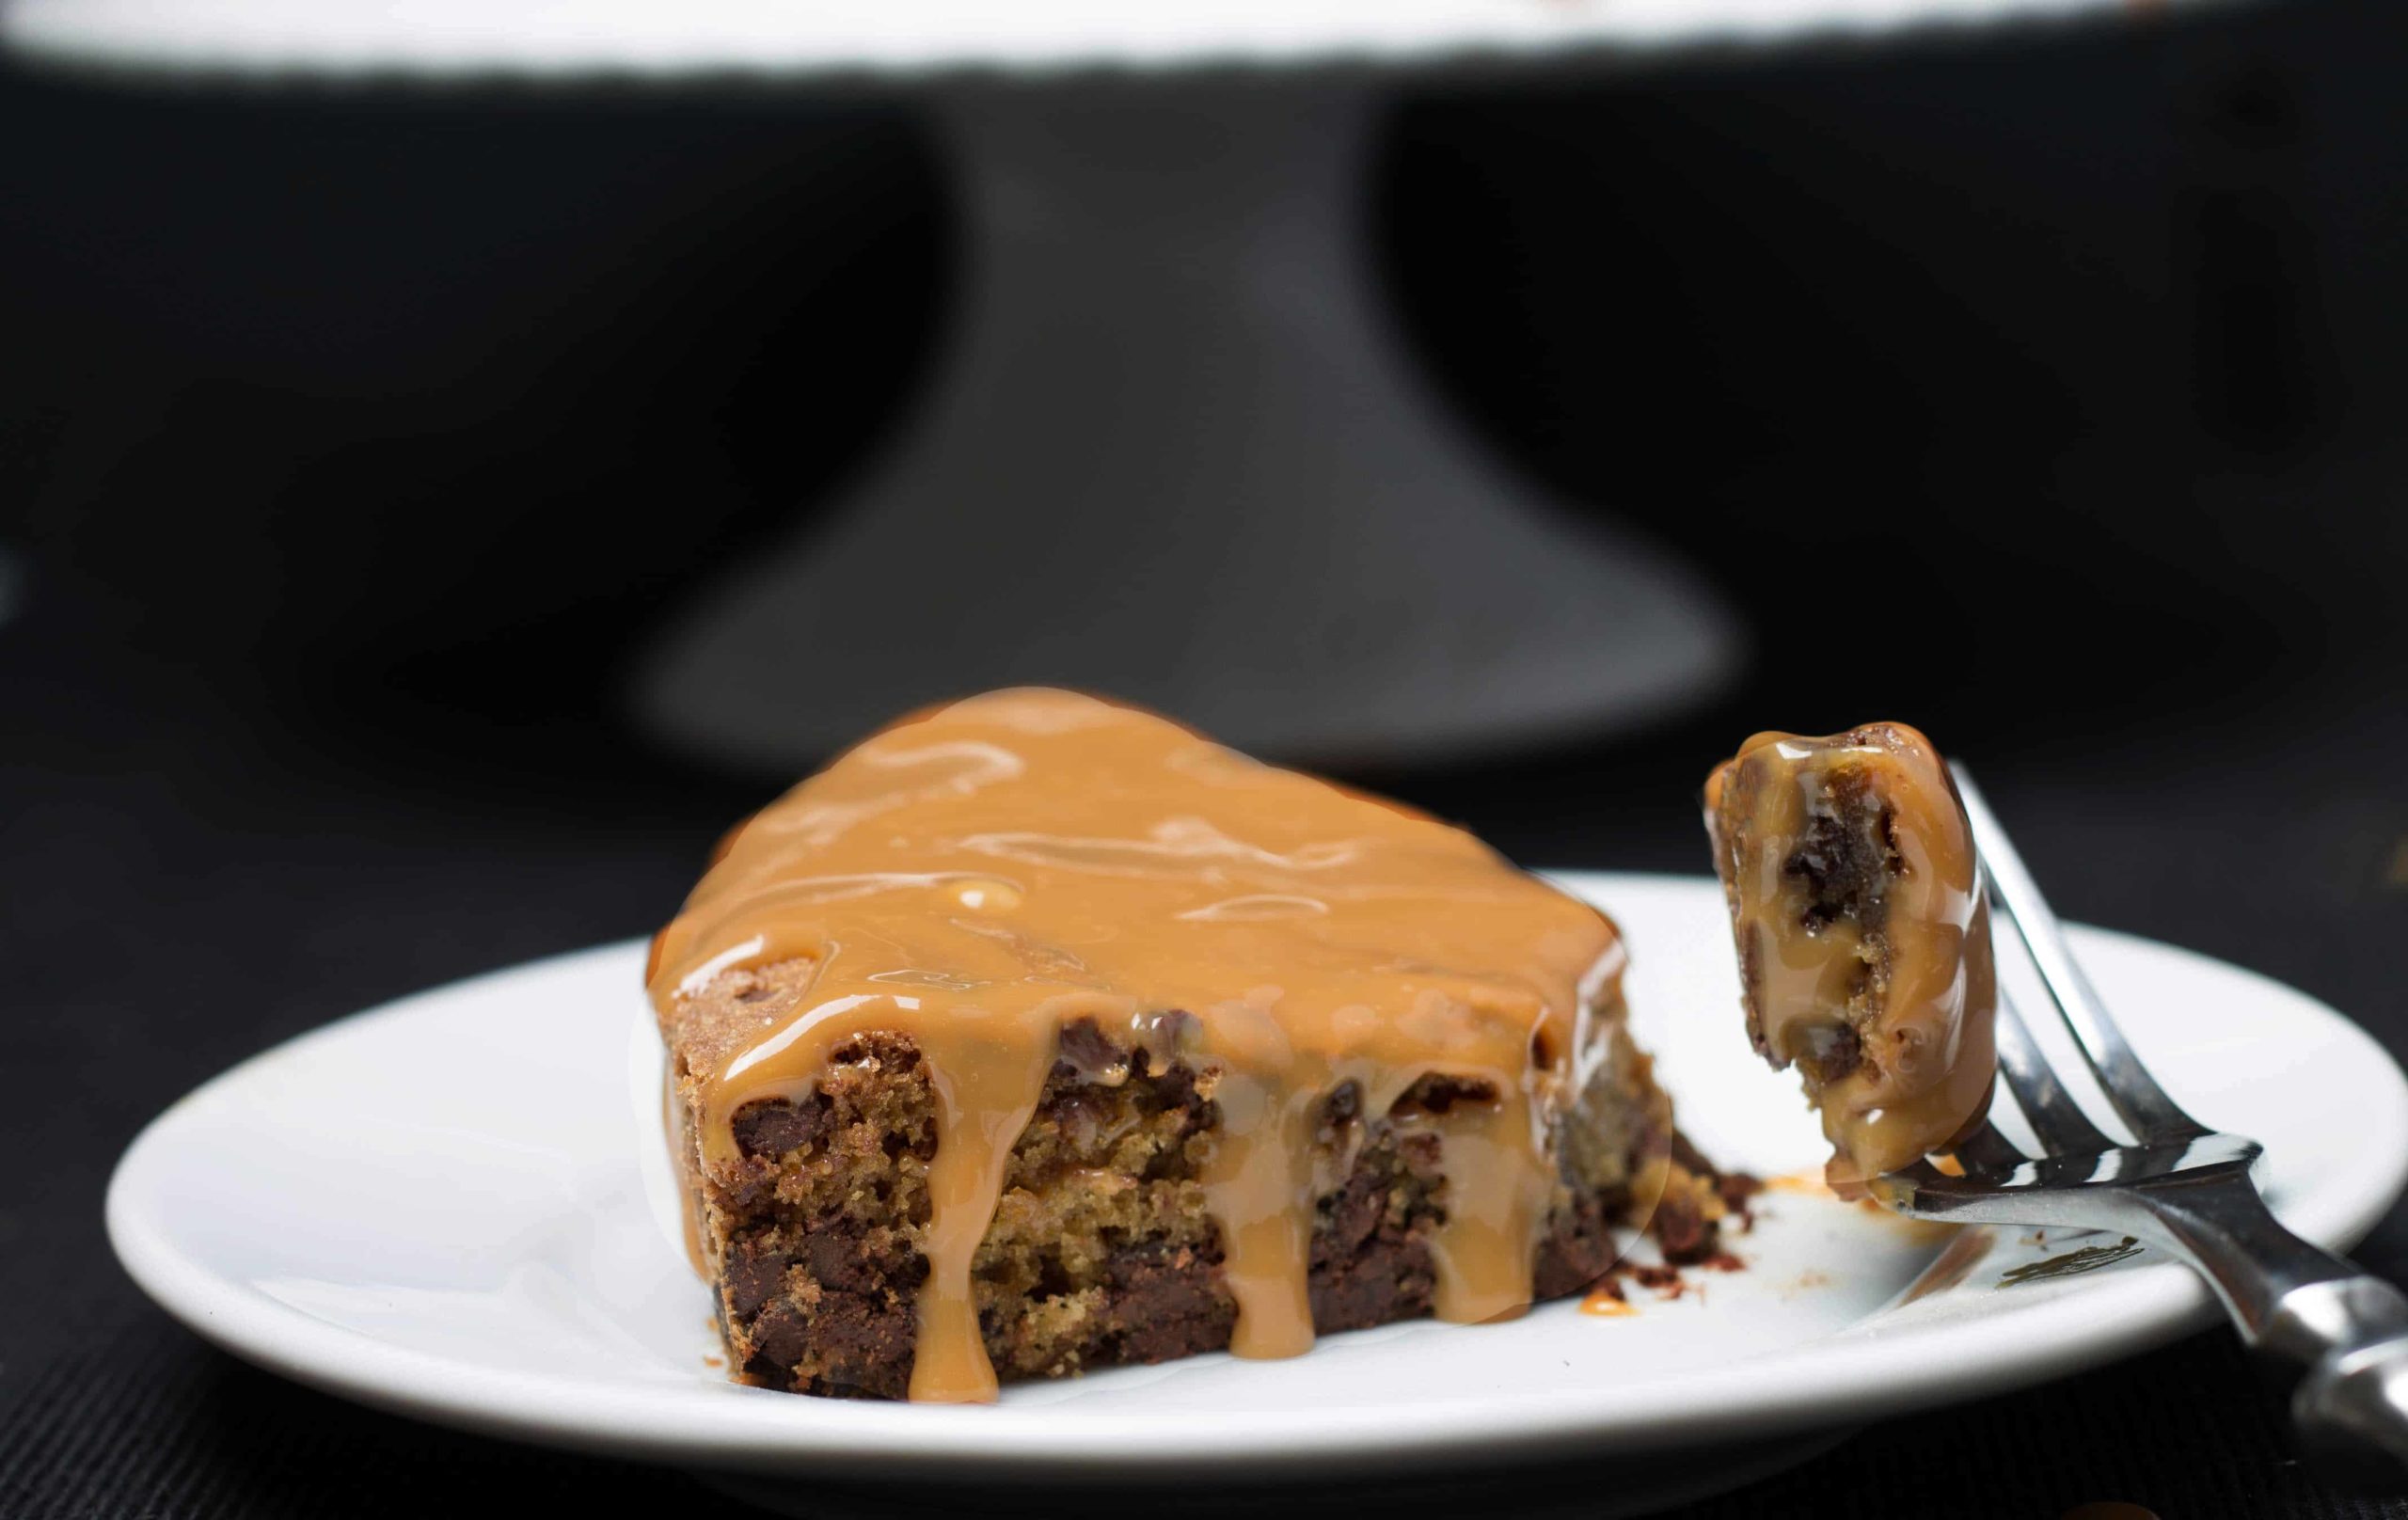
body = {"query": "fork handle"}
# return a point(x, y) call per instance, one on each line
point(2347, 1340)
point(2339, 1336)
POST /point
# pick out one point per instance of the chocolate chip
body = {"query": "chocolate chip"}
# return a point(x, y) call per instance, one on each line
point(773, 1127)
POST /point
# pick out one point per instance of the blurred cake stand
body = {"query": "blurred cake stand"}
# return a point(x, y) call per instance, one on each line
point(1177, 452)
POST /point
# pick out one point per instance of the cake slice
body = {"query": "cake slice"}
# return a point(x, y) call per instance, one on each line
point(1038, 1032)
point(1863, 939)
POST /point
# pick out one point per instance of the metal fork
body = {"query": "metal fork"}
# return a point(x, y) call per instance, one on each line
point(2338, 1336)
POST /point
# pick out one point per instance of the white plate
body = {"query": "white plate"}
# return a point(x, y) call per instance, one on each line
point(441, 1208)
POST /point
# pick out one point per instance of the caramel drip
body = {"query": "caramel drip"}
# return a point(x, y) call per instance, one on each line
point(1260, 1166)
point(980, 876)
point(1889, 1020)
point(989, 1070)
point(1484, 1259)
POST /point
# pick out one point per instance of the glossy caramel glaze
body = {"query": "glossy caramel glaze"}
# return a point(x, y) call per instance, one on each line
point(981, 875)
point(1862, 935)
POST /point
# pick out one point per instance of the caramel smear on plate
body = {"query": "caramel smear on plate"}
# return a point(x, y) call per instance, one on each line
point(1606, 1302)
point(1812, 1184)
point(982, 875)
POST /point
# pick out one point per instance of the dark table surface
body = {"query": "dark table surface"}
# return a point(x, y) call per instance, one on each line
point(196, 870)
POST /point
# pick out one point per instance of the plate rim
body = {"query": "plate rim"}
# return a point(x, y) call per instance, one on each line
point(127, 36)
point(2098, 1321)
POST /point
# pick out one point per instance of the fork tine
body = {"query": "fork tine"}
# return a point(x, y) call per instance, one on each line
point(2135, 1094)
point(2058, 1122)
point(1987, 1152)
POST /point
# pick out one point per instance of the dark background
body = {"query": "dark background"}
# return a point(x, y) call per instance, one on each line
point(350, 442)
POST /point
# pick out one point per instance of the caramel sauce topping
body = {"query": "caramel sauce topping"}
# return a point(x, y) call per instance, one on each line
point(983, 874)
point(1863, 937)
